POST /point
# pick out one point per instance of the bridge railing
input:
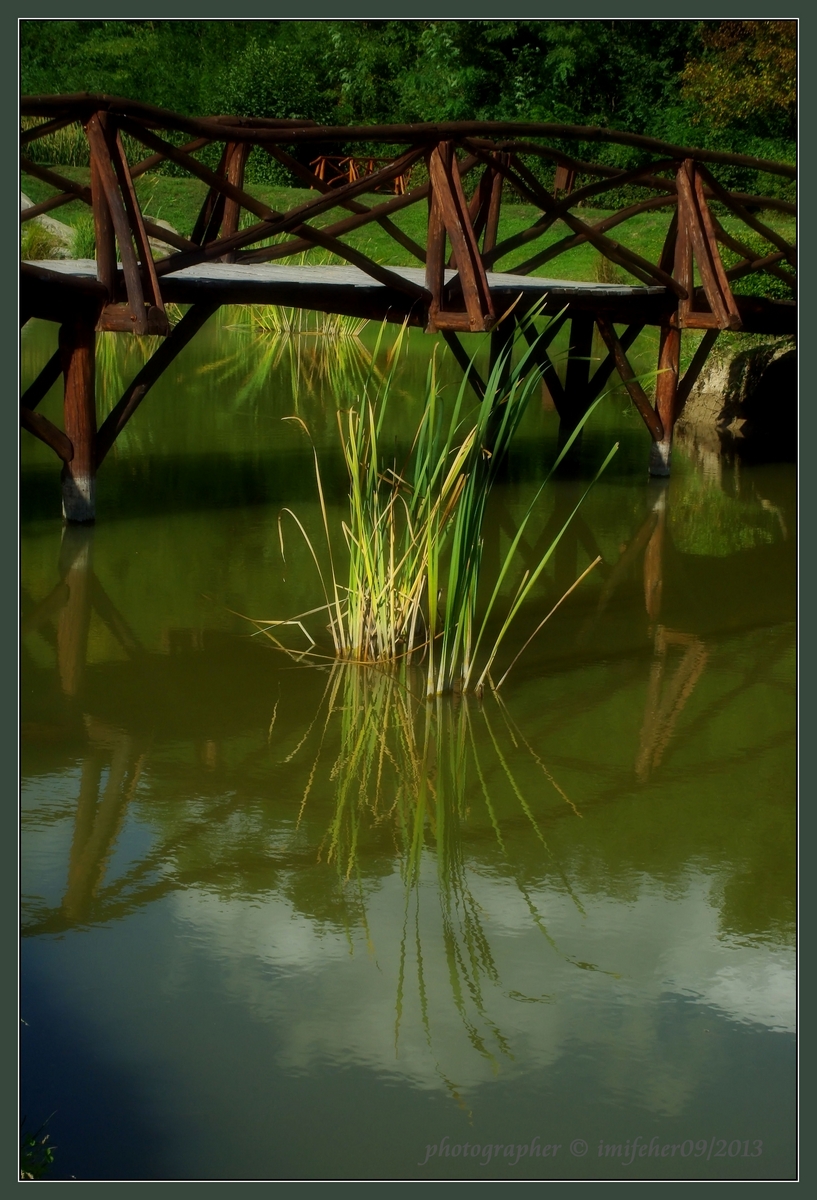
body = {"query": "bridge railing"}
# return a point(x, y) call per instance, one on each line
point(468, 166)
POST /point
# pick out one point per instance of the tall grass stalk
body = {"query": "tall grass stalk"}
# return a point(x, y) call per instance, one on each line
point(415, 529)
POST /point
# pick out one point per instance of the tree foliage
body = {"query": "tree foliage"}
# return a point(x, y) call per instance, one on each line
point(746, 74)
point(728, 84)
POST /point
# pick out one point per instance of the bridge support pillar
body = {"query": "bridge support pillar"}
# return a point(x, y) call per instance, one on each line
point(77, 351)
point(666, 396)
point(577, 377)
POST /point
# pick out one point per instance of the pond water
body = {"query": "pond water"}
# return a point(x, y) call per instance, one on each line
point(282, 922)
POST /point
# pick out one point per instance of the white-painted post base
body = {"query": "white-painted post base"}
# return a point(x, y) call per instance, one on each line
point(660, 455)
point(78, 498)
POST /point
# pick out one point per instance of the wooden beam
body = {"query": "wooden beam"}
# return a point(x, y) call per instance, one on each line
point(733, 316)
point(314, 181)
point(701, 249)
point(161, 359)
point(211, 212)
point(46, 379)
point(605, 369)
point(236, 163)
point(119, 217)
point(539, 343)
point(39, 131)
point(44, 206)
point(690, 376)
point(104, 235)
point(466, 364)
point(748, 218)
point(47, 432)
point(578, 239)
point(648, 414)
point(449, 212)
point(158, 323)
point(60, 182)
point(79, 105)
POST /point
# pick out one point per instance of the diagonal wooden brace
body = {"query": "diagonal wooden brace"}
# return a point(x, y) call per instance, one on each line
point(117, 214)
point(449, 215)
point(697, 242)
point(628, 377)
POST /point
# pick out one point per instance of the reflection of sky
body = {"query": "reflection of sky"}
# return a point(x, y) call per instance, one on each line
point(637, 956)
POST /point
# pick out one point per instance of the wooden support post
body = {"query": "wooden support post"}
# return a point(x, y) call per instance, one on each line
point(449, 216)
point(77, 346)
point(577, 378)
point(666, 396)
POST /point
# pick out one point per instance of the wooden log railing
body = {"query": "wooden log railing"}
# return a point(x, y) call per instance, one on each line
point(460, 173)
point(500, 154)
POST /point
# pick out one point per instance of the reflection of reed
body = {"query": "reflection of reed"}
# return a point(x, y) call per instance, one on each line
point(414, 769)
point(322, 353)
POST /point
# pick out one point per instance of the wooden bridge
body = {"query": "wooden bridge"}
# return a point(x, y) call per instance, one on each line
point(455, 290)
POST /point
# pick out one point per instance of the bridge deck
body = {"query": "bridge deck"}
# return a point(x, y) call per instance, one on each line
point(348, 290)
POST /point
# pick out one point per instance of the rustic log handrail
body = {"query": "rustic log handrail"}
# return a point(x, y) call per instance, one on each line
point(496, 147)
point(83, 104)
point(468, 167)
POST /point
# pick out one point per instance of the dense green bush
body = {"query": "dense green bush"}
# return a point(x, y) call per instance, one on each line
point(653, 77)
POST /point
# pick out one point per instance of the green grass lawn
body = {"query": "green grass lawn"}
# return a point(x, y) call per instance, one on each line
point(178, 200)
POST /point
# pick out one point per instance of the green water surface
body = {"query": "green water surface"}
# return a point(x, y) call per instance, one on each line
point(288, 923)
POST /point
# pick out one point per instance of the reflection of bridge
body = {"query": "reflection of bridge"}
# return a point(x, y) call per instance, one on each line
point(118, 715)
point(455, 290)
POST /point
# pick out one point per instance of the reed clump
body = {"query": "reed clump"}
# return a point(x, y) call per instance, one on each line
point(414, 532)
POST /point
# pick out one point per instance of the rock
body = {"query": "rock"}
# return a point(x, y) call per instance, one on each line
point(157, 243)
point(746, 392)
point(62, 233)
